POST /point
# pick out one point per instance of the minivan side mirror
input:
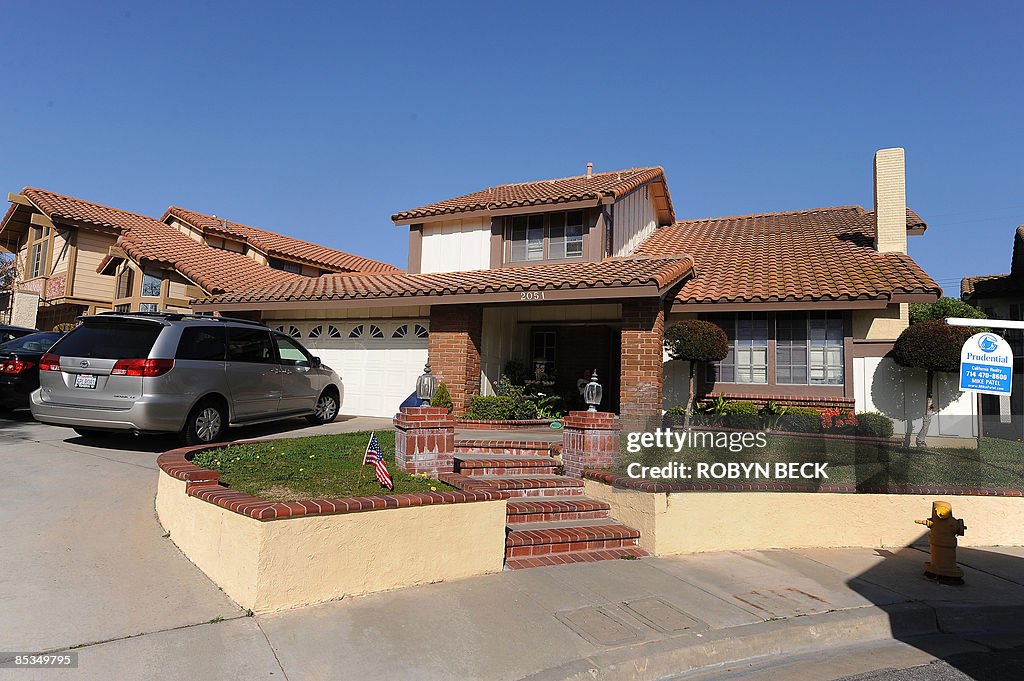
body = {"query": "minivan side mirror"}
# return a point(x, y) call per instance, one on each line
point(317, 363)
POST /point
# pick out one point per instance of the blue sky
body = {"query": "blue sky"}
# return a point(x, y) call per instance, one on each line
point(323, 119)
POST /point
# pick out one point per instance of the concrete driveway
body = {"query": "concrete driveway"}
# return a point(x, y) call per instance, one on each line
point(83, 559)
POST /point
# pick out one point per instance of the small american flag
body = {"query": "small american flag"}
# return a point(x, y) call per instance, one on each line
point(374, 456)
point(372, 450)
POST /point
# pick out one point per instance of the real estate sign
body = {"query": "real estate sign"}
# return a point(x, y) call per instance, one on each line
point(986, 365)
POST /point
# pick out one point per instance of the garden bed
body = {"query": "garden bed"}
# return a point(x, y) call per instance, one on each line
point(269, 554)
point(310, 467)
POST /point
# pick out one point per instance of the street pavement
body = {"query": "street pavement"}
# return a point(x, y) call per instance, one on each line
point(85, 565)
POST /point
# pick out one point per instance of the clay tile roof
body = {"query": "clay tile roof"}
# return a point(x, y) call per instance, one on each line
point(540, 192)
point(818, 254)
point(1000, 284)
point(59, 206)
point(614, 273)
point(146, 239)
point(275, 244)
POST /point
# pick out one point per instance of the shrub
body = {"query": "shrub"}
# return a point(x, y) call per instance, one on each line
point(500, 408)
point(745, 415)
point(873, 424)
point(801, 420)
point(442, 398)
point(517, 372)
point(942, 308)
point(695, 341)
point(933, 346)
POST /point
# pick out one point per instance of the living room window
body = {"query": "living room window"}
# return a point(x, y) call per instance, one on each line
point(545, 236)
point(809, 348)
point(747, 361)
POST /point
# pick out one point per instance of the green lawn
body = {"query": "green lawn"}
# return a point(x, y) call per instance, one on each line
point(311, 467)
point(997, 463)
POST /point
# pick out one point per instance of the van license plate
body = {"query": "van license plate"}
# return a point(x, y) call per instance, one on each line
point(85, 381)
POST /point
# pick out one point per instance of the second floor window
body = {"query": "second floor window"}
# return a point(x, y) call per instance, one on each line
point(151, 286)
point(546, 236)
point(40, 240)
point(124, 283)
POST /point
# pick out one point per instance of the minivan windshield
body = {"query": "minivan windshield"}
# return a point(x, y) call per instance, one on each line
point(109, 340)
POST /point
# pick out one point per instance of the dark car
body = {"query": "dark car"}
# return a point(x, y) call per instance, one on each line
point(19, 367)
point(8, 333)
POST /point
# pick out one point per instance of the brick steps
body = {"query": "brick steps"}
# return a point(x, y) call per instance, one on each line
point(496, 464)
point(508, 447)
point(574, 557)
point(548, 521)
point(547, 509)
point(531, 485)
point(572, 536)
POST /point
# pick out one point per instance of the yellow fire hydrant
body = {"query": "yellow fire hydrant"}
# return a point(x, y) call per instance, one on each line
point(942, 533)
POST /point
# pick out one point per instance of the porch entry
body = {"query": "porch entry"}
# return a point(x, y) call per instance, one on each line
point(566, 352)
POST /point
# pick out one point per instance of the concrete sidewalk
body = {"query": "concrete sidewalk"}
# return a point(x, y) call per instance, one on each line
point(642, 619)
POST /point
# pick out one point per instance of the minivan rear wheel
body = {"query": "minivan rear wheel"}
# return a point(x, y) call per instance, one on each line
point(326, 409)
point(207, 422)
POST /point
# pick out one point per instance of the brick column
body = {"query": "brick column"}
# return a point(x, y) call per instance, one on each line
point(590, 439)
point(454, 350)
point(642, 369)
point(424, 440)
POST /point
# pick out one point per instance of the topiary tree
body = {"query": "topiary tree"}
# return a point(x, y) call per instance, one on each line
point(942, 308)
point(442, 398)
point(695, 341)
point(932, 345)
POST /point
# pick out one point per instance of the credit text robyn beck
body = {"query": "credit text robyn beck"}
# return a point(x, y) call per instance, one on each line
point(731, 470)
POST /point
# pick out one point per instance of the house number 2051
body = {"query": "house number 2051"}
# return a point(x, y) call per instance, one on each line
point(531, 295)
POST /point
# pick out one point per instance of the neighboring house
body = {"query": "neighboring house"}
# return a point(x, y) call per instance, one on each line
point(1001, 296)
point(78, 257)
point(584, 272)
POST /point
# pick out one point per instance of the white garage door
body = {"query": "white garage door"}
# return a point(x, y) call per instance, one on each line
point(378, 360)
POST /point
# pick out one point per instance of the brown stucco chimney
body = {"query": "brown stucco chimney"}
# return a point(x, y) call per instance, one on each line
point(890, 201)
point(590, 169)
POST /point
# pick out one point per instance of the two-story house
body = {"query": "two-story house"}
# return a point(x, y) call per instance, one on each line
point(1001, 296)
point(580, 273)
point(77, 257)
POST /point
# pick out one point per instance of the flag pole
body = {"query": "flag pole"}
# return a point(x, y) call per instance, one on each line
point(362, 464)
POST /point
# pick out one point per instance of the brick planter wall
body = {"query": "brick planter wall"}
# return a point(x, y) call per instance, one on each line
point(642, 371)
point(589, 440)
point(424, 440)
point(454, 350)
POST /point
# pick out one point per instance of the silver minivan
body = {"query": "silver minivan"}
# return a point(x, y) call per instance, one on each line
point(179, 373)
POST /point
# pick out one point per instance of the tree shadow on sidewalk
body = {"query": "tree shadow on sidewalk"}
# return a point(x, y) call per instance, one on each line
point(977, 628)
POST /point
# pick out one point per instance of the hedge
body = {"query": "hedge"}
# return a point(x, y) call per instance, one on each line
point(500, 408)
point(801, 420)
point(873, 424)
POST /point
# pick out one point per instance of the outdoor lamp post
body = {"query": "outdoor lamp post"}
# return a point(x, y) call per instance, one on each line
point(426, 385)
point(592, 393)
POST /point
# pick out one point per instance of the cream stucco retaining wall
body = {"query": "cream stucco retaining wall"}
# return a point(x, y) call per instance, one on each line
point(273, 565)
point(694, 522)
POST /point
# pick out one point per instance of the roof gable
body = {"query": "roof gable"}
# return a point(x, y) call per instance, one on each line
point(274, 244)
point(596, 187)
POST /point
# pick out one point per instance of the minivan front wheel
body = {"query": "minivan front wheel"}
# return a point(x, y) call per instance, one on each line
point(326, 409)
point(206, 423)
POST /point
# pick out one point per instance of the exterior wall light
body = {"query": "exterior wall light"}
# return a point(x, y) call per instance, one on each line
point(426, 385)
point(592, 393)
